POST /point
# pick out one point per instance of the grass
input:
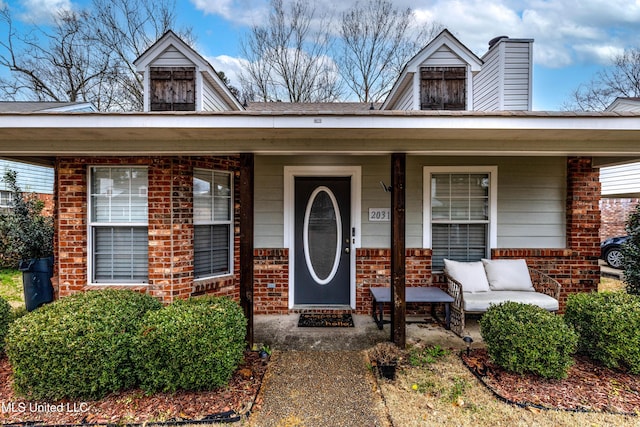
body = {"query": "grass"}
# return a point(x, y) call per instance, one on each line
point(446, 393)
point(11, 286)
point(609, 284)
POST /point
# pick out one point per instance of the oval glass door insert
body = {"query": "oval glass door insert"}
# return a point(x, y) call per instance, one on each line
point(322, 235)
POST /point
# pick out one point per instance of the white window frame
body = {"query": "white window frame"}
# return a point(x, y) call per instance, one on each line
point(6, 199)
point(428, 171)
point(94, 224)
point(214, 222)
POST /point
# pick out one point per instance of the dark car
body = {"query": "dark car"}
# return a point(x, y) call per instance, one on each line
point(610, 251)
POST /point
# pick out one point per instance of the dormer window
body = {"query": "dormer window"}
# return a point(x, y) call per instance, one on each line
point(172, 88)
point(443, 88)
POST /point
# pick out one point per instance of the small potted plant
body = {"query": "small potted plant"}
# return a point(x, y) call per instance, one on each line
point(28, 239)
point(385, 357)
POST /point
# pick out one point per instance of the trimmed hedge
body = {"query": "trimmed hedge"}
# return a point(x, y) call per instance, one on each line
point(526, 338)
point(79, 346)
point(6, 317)
point(608, 325)
point(193, 344)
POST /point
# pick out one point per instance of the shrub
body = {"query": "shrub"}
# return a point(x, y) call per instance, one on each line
point(26, 233)
point(631, 253)
point(79, 346)
point(608, 325)
point(6, 318)
point(193, 344)
point(526, 338)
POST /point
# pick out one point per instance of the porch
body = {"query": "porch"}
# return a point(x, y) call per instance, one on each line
point(281, 332)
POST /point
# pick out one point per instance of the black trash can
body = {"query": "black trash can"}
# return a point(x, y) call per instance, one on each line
point(36, 282)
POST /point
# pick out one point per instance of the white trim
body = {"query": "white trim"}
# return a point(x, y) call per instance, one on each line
point(230, 222)
point(493, 199)
point(290, 173)
point(416, 91)
point(146, 89)
point(91, 224)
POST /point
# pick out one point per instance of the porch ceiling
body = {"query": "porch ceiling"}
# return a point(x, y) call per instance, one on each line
point(459, 133)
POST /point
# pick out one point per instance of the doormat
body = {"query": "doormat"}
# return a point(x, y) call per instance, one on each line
point(310, 320)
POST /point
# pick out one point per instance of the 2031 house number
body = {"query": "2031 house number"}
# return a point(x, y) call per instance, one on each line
point(379, 214)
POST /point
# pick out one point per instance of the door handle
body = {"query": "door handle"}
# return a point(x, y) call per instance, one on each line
point(347, 250)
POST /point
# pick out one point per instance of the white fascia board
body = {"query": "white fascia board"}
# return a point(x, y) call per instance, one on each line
point(262, 121)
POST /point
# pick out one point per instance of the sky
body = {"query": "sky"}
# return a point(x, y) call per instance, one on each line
point(573, 39)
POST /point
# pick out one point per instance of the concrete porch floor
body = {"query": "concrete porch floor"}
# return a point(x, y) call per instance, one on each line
point(281, 332)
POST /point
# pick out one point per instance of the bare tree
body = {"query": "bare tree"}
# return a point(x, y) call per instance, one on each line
point(86, 55)
point(377, 41)
point(621, 79)
point(288, 59)
point(56, 66)
point(124, 29)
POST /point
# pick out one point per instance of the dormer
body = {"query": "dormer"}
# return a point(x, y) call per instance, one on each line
point(439, 77)
point(177, 78)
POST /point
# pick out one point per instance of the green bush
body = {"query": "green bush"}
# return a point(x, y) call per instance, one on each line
point(526, 338)
point(78, 347)
point(608, 325)
point(25, 233)
point(631, 253)
point(193, 344)
point(6, 318)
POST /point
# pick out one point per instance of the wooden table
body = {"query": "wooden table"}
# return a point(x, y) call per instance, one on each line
point(430, 295)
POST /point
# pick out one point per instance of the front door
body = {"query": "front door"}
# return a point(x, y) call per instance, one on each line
point(322, 240)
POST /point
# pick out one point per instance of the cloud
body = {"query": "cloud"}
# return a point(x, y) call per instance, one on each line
point(230, 66)
point(565, 32)
point(42, 11)
point(242, 12)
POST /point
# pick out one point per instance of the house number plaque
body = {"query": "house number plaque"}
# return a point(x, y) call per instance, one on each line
point(380, 214)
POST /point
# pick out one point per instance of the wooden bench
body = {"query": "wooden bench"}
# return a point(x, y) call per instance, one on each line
point(421, 294)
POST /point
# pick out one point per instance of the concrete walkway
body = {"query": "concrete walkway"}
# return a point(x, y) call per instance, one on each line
point(320, 376)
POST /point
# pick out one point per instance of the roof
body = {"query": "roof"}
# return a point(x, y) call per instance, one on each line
point(625, 104)
point(312, 107)
point(36, 106)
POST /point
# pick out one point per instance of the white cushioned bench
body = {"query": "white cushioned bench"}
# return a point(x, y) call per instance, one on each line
point(474, 286)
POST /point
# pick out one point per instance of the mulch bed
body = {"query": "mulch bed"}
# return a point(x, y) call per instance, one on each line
point(588, 386)
point(132, 406)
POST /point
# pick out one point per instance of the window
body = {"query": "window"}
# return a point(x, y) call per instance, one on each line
point(460, 205)
point(443, 88)
point(213, 219)
point(118, 225)
point(6, 198)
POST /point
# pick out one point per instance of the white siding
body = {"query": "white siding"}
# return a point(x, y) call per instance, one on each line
point(211, 100)
point(30, 178)
point(269, 196)
point(531, 197)
point(517, 76)
point(620, 180)
point(486, 84)
point(443, 57)
point(171, 57)
point(504, 83)
point(405, 101)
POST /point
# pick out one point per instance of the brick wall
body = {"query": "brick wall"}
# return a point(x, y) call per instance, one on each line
point(615, 212)
point(170, 222)
point(373, 268)
point(271, 266)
